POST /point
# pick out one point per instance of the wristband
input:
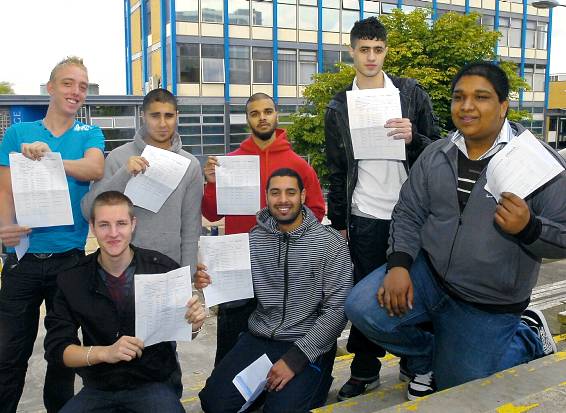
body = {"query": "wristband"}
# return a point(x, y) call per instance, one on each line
point(87, 356)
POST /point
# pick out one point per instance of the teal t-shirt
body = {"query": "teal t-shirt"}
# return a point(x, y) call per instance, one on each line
point(72, 145)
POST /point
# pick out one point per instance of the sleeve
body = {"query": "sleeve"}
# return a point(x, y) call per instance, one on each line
point(337, 283)
point(425, 125)
point(338, 169)
point(209, 203)
point(95, 139)
point(191, 221)
point(61, 328)
point(9, 144)
point(314, 198)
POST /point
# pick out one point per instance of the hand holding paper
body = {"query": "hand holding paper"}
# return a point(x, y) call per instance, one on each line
point(251, 381)
point(237, 185)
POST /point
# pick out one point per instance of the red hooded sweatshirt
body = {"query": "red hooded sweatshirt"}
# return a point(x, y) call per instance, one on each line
point(277, 155)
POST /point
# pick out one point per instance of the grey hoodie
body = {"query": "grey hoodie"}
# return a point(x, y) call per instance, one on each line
point(176, 228)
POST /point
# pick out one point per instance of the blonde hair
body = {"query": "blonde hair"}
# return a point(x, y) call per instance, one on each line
point(69, 60)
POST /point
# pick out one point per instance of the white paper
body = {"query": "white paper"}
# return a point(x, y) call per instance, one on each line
point(521, 167)
point(160, 301)
point(368, 111)
point(228, 263)
point(41, 193)
point(251, 381)
point(22, 247)
point(237, 185)
point(151, 189)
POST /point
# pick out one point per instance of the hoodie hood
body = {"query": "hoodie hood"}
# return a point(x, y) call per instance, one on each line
point(280, 144)
point(139, 140)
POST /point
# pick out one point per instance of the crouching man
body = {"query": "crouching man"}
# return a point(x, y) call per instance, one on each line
point(98, 296)
point(302, 274)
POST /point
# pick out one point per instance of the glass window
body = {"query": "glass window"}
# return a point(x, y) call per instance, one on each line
point(538, 79)
point(212, 63)
point(334, 4)
point(541, 35)
point(239, 12)
point(287, 67)
point(329, 60)
point(330, 20)
point(212, 129)
point(262, 57)
point(189, 63)
point(112, 111)
point(193, 109)
point(514, 38)
point(307, 66)
point(487, 22)
point(349, 17)
point(308, 2)
point(351, 4)
point(407, 9)
point(191, 140)
point(189, 130)
point(212, 11)
point(504, 34)
point(262, 13)
point(213, 109)
point(147, 20)
point(287, 2)
point(286, 16)
point(239, 65)
point(530, 39)
point(346, 58)
point(187, 10)
point(371, 7)
point(308, 18)
point(387, 8)
point(213, 139)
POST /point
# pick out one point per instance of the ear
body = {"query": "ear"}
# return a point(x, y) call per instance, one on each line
point(303, 196)
point(134, 222)
point(50, 87)
point(143, 116)
point(91, 226)
point(504, 109)
point(351, 51)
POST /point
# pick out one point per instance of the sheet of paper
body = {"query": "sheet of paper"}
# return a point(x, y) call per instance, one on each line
point(228, 261)
point(41, 193)
point(521, 167)
point(237, 185)
point(160, 301)
point(251, 381)
point(368, 110)
point(22, 247)
point(151, 189)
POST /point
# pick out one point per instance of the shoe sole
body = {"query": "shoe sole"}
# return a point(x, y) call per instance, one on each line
point(546, 329)
point(412, 398)
point(370, 387)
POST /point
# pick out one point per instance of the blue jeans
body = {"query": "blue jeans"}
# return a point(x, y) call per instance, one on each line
point(25, 285)
point(150, 398)
point(467, 343)
point(306, 391)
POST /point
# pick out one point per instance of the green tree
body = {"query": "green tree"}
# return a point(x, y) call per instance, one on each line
point(430, 53)
point(6, 88)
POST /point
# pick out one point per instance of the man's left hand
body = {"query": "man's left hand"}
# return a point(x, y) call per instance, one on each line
point(35, 151)
point(402, 129)
point(279, 375)
point(512, 214)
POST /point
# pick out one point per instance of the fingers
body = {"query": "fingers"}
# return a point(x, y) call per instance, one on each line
point(380, 295)
point(10, 235)
point(410, 297)
point(129, 348)
point(209, 169)
point(34, 151)
point(202, 279)
point(514, 199)
point(137, 164)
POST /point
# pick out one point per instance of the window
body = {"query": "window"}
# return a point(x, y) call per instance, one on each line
point(212, 63)
point(346, 58)
point(515, 33)
point(538, 79)
point(371, 8)
point(308, 18)
point(308, 2)
point(349, 17)
point(240, 65)
point(147, 17)
point(239, 12)
point(487, 22)
point(351, 4)
point(334, 4)
point(387, 8)
point(330, 20)
point(189, 63)
point(262, 64)
point(307, 66)
point(329, 59)
point(187, 10)
point(541, 35)
point(262, 13)
point(286, 16)
point(212, 11)
point(530, 34)
point(287, 71)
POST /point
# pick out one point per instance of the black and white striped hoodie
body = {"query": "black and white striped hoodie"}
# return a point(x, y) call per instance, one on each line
point(301, 281)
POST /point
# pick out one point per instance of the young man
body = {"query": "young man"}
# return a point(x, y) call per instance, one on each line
point(175, 229)
point(460, 259)
point(30, 281)
point(274, 150)
point(301, 273)
point(363, 192)
point(97, 295)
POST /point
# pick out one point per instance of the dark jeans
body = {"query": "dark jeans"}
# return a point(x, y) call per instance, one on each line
point(25, 285)
point(304, 392)
point(231, 323)
point(150, 398)
point(368, 247)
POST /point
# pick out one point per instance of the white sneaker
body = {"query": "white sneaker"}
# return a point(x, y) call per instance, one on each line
point(534, 319)
point(421, 385)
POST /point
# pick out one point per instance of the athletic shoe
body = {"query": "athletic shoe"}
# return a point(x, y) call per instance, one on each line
point(354, 387)
point(404, 373)
point(534, 319)
point(420, 386)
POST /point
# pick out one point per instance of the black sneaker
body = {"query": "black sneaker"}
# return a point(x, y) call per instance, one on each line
point(354, 387)
point(404, 373)
point(534, 319)
point(420, 386)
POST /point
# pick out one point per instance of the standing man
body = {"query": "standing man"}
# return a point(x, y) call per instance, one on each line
point(30, 281)
point(175, 229)
point(97, 295)
point(363, 192)
point(274, 151)
point(302, 274)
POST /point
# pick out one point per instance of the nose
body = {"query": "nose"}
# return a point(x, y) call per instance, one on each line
point(113, 230)
point(162, 121)
point(467, 104)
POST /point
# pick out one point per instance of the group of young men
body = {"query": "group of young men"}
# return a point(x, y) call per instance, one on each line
point(442, 271)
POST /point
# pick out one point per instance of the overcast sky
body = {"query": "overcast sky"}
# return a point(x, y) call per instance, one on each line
point(36, 34)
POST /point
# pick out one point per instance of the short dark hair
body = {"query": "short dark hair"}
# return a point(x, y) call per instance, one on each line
point(111, 198)
point(367, 29)
point(286, 172)
point(491, 72)
point(259, 96)
point(159, 95)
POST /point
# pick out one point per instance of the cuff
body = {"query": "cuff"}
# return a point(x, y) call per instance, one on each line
point(531, 232)
point(295, 359)
point(399, 259)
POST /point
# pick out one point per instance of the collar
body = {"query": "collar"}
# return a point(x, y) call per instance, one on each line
point(505, 135)
point(387, 82)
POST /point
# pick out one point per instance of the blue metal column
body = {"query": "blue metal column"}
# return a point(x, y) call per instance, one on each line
point(173, 23)
point(467, 7)
point(547, 79)
point(143, 44)
point(226, 53)
point(163, 23)
point(275, 39)
point(128, 46)
point(496, 25)
point(319, 37)
point(399, 4)
point(434, 10)
point(361, 2)
point(523, 51)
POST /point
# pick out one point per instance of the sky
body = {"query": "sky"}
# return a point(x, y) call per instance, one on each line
point(37, 34)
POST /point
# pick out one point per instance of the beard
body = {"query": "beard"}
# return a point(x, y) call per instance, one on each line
point(288, 220)
point(264, 136)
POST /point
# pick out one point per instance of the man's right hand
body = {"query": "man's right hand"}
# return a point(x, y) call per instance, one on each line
point(10, 235)
point(126, 348)
point(35, 151)
point(137, 164)
point(202, 279)
point(396, 292)
point(209, 169)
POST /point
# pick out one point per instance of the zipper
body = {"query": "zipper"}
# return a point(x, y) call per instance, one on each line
point(285, 284)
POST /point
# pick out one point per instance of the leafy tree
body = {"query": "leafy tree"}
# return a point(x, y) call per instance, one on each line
point(6, 88)
point(430, 53)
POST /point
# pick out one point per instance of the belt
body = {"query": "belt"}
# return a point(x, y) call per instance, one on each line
point(41, 256)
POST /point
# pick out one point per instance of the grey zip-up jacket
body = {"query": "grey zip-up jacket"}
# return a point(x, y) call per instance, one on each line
point(471, 254)
point(301, 281)
point(175, 229)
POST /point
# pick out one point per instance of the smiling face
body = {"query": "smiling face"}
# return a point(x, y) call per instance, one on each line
point(68, 89)
point(160, 119)
point(476, 110)
point(262, 118)
point(368, 56)
point(285, 201)
point(113, 227)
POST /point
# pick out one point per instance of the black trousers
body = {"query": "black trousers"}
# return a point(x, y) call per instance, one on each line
point(232, 321)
